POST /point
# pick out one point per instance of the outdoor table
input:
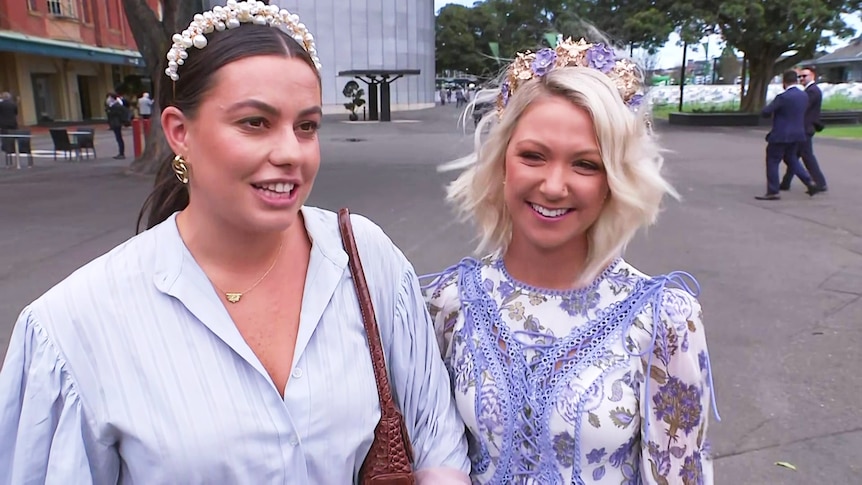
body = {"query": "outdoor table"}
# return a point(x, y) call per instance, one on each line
point(75, 134)
point(17, 154)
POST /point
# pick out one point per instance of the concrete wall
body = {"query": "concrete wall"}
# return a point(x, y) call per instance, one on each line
point(372, 34)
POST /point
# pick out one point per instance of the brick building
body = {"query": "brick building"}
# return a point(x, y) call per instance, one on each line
point(60, 58)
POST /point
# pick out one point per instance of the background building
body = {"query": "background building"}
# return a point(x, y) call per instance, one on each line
point(60, 58)
point(372, 34)
point(841, 66)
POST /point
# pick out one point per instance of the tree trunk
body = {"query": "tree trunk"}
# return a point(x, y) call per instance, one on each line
point(153, 38)
point(761, 69)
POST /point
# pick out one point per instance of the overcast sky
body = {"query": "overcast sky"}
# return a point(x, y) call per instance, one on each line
point(671, 54)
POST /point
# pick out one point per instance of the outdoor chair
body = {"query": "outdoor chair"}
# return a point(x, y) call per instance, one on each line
point(87, 142)
point(60, 137)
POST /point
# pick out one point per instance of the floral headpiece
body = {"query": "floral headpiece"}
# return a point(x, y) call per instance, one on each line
point(231, 16)
point(568, 53)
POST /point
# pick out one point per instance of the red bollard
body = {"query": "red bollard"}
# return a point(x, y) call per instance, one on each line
point(137, 137)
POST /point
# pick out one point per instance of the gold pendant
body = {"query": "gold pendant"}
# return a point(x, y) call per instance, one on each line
point(233, 297)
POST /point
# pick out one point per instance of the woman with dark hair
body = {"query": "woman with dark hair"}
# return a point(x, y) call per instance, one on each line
point(225, 343)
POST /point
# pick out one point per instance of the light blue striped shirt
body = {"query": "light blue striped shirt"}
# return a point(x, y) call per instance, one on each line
point(131, 371)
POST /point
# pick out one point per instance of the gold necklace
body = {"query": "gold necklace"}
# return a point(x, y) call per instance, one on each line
point(234, 297)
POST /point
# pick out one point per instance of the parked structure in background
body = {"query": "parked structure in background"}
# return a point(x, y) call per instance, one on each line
point(371, 36)
point(841, 66)
point(59, 58)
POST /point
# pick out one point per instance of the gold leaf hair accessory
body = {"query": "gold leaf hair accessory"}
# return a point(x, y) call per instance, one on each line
point(568, 53)
point(231, 16)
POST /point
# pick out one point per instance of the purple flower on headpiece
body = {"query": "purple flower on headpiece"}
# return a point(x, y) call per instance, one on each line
point(543, 62)
point(636, 101)
point(504, 91)
point(600, 57)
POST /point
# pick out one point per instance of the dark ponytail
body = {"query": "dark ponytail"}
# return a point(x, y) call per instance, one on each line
point(169, 195)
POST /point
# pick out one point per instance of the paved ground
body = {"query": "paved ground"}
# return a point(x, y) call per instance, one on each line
point(782, 280)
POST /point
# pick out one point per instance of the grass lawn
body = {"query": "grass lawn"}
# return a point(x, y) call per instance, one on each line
point(661, 111)
point(853, 132)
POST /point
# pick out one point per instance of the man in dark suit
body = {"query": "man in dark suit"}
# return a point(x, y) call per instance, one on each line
point(788, 131)
point(808, 78)
point(117, 115)
point(8, 121)
point(8, 112)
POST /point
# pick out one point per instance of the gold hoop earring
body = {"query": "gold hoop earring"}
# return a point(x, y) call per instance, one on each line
point(181, 169)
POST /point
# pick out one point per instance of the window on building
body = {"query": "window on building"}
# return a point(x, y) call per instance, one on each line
point(85, 11)
point(62, 8)
point(32, 5)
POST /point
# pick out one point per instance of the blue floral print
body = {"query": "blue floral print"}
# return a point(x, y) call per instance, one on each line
point(556, 373)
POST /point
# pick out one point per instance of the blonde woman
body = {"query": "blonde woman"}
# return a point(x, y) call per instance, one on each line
point(568, 364)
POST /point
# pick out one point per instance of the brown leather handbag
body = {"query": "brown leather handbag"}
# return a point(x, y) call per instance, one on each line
point(389, 462)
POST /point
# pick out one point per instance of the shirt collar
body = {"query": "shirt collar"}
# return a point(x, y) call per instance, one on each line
point(171, 251)
point(322, 228)
point(178, 274)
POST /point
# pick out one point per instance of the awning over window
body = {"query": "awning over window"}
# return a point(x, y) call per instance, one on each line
point(28, 44)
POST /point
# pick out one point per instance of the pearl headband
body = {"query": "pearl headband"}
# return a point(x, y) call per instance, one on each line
point(231, 16)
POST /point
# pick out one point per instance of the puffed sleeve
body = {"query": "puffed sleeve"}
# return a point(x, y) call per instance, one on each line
point(444, 306)
point(436, 430)
point(44, 437)
point(675, 404)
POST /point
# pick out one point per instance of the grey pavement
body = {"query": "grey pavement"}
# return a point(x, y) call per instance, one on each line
point(782, 281)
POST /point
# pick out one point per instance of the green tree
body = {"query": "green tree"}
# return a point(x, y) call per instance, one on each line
point(635, 23)
point(728, 67)
point(464, 34)
point(767, 31)
point(455, 40)
point(153, 38)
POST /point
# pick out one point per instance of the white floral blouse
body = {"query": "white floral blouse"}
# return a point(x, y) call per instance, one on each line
point(551, 384)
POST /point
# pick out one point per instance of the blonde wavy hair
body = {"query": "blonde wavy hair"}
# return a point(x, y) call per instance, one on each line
point(630, 154)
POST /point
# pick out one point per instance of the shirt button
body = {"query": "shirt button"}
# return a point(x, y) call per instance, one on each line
point(294, 442)
point(297, 373)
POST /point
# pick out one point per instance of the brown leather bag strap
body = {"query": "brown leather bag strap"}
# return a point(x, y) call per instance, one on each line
point(384, 392)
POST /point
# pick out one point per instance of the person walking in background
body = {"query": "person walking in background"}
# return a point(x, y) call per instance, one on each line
point(145, 106)
point(788, 132)
point(460, 98)
point(116, 112)
point(127, 109)
point(808, 78)
point(8, 112)
point(8, 121)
